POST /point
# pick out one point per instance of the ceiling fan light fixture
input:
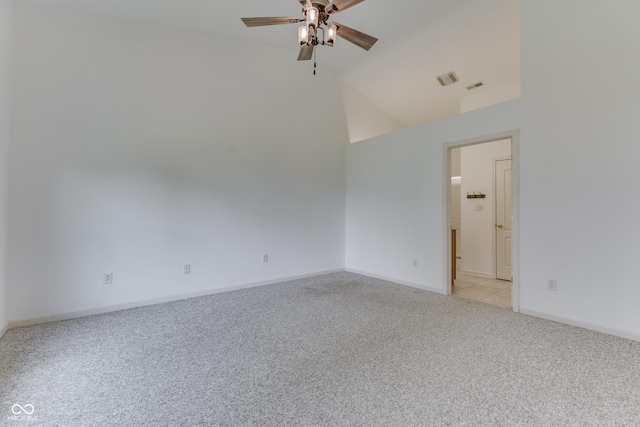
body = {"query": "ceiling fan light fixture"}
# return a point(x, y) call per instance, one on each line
point(313, 16)
point(303, 35)
point(314, 19)
point(330, 34)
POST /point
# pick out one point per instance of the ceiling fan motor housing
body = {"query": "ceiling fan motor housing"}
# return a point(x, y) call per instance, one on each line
point(320, 4)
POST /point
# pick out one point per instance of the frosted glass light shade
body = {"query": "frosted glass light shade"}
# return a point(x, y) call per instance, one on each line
point(303, 35)
point(330, 34)
point(313, 15)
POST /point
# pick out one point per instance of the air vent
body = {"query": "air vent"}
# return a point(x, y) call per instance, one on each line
point(475, 86)
point(448, 79)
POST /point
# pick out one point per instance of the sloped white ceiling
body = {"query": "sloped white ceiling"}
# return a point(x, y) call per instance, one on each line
point(418, 40)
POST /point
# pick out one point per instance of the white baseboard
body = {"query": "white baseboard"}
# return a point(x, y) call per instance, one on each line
point(108, 309)
point(160, 300)
point(4, 329)
point(580, 324)
point(394, 280)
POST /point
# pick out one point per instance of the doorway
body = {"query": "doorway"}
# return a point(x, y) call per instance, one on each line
point(482, 207)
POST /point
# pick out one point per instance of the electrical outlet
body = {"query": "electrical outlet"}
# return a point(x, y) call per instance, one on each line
point(415, 263)
point(187, 269)
point(480, 207)
point(552, 285)
point(265, 258)
point(107, 278)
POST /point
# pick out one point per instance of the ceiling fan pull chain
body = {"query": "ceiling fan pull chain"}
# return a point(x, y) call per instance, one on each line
point(315, 65)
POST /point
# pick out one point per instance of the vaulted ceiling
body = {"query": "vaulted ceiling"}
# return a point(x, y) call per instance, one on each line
point(418, 40)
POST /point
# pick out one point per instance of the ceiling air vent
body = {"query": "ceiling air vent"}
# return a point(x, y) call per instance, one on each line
point(475, 86)
point(448, 79)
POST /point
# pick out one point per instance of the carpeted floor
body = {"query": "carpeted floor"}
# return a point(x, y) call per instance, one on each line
point(335, 350)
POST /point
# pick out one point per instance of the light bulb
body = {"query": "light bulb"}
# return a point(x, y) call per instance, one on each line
point(303, 35)
point(312, 17)
point(330, 34)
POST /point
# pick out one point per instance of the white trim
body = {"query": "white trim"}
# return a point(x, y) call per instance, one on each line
point(160, 300)
point(4, 330)
point(446, 170)
point(580, 324)
point(398, 281)
point(108, 309)
point(514, 135)
point(515, 224)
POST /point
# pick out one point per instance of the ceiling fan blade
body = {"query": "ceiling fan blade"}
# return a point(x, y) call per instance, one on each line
point(305, 4)
point(363, 40)
point(337, 6)
point(278, 20)
point(306, 52)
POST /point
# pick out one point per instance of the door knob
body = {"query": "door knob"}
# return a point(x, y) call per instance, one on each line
point(500, 225)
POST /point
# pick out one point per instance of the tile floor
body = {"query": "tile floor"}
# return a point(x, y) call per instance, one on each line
point(490, 291)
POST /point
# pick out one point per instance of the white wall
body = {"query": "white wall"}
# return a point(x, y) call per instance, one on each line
point(138, 149)
point(395, 196)
point(580, 145)
point(579, 152)
point(364, 118)
point(478, 226)
point(484, 97)
point(6, 15)
point(121, 161)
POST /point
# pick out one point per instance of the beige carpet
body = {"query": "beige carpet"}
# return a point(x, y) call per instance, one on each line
point(336, 350)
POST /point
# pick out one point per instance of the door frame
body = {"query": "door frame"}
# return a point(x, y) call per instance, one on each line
point(515, 211)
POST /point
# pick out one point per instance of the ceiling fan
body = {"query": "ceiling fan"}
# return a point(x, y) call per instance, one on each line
point(316, 14)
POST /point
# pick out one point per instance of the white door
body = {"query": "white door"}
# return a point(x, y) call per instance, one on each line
point(503, 219)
